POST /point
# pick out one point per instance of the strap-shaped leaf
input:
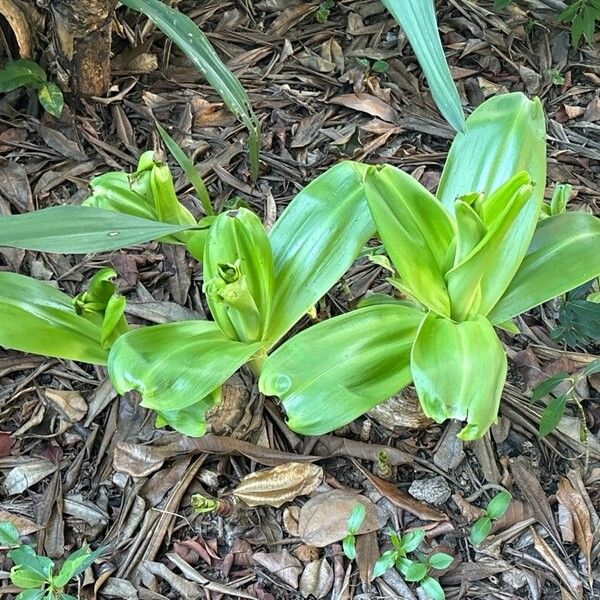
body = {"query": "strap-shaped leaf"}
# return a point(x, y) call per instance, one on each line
point(503, 136)
point(470, 230)
point(79, 230)
point(417, 19)
point(238, 275)
point(478, 282)
point(176, 364)
point(416, 232)
point(332, 373)
point(37, 318)
point(189, 420)
point(564, 253)
point(459, 371)
point(190, 39)
point(315, 240)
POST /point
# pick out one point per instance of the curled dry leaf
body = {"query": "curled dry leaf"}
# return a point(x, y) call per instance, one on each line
point(25, 526)
point(290, 520)
point(324, 518)
point(517, 512)
point(19, 23)
point(282, 564)
point(29, 472)
point(317, 579)
point(467, 510)
point(572, 501)
point(281, 484)
point(69, 404)
point(400, 411)
point(368, 104)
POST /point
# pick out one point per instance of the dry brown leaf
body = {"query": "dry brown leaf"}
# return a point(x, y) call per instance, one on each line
point(467, 510)
point(290, 520)
point(282, 564)
point(28, 472)
point(517, 513)
point(25, 526)
point(69, 404)
point(324, 518)
point(317, 579)
point(401, 410)
point(566, 575)
point(401, 499)
point(281, 484)
point(368, 104)
point(582, 525)
point(17, 19)
point(367, 553)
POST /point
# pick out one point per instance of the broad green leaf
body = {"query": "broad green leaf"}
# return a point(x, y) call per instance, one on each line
point(415, 230)
point(503, 136)
point(412, 540)
point(415, 571)
point(29, 567)
point(188, 168)
point(591, 368)
point(314, 242)
point(190, 39)
point(23, 72)
point(440, 560)
point(9, 534)
point(75, 564)
point(384, 563)
point(552, 415)
point(38, 318)
point(417, 19)
point(477, 283)
point(459, 371)
point(433, 589)
point(176, 364)
point(470, 230)
point(563, 254)
point(333, 372)
point(498, 505)
point(238, 275)
point(31, 595)
point(357, 516)
point(349, 546)
point(79, 230)
point(24, 577)
point(51, 98)
point(544, 388)
point(481, 529)
point(189, 420)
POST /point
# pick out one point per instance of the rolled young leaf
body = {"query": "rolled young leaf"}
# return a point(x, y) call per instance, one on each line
point(503, 136)
point(459, 370)
point(176, 364)
point(333, 372)
point(190, 420)
point(79, 230)
point(37, 318)
point(564, 254)
point(238, 275)
point(417, 19)
point(478, 282)
point(314, 242)
point(183, 32)
point(415, 230)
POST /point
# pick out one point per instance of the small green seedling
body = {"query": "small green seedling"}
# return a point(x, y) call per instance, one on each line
point(495, 510)
point(26, 73)
point(555, 409)
point(582, 15)
point(414, 571)
point(355, 520)
point(323, 11)
point(37, 575)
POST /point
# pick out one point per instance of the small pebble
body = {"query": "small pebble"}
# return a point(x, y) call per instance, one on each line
point(434, 490)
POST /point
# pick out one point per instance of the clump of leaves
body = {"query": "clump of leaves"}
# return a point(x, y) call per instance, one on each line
point(26, 73)
point(496, 509)
point(37, 575)
point(555, 409)
point(355, 520)
point(414, 570)
point(582, 15)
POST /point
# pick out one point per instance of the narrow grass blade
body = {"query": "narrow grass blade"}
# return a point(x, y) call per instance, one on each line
point(417, 19)
point(190, 39)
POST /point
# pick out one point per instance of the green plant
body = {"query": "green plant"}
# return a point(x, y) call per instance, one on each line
point(355, 520)
point(496, 509)
point(414, 571)
point(258, 286)
point(26, 73)
point(323, 11)
point(37, 575)
point(193, 42)
point(468, 260)
point(582, 15)
point(418, 21)
point(555, 409)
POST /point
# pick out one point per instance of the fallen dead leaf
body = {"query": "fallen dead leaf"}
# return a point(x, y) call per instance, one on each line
point(368, 104)
point(282, 564)
point(317, 579)
point(25, 526)
point(68, 403)
point(19, 23)
point(324, 518)
point(281, 484)
point(367, 553)
point(29, 472)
